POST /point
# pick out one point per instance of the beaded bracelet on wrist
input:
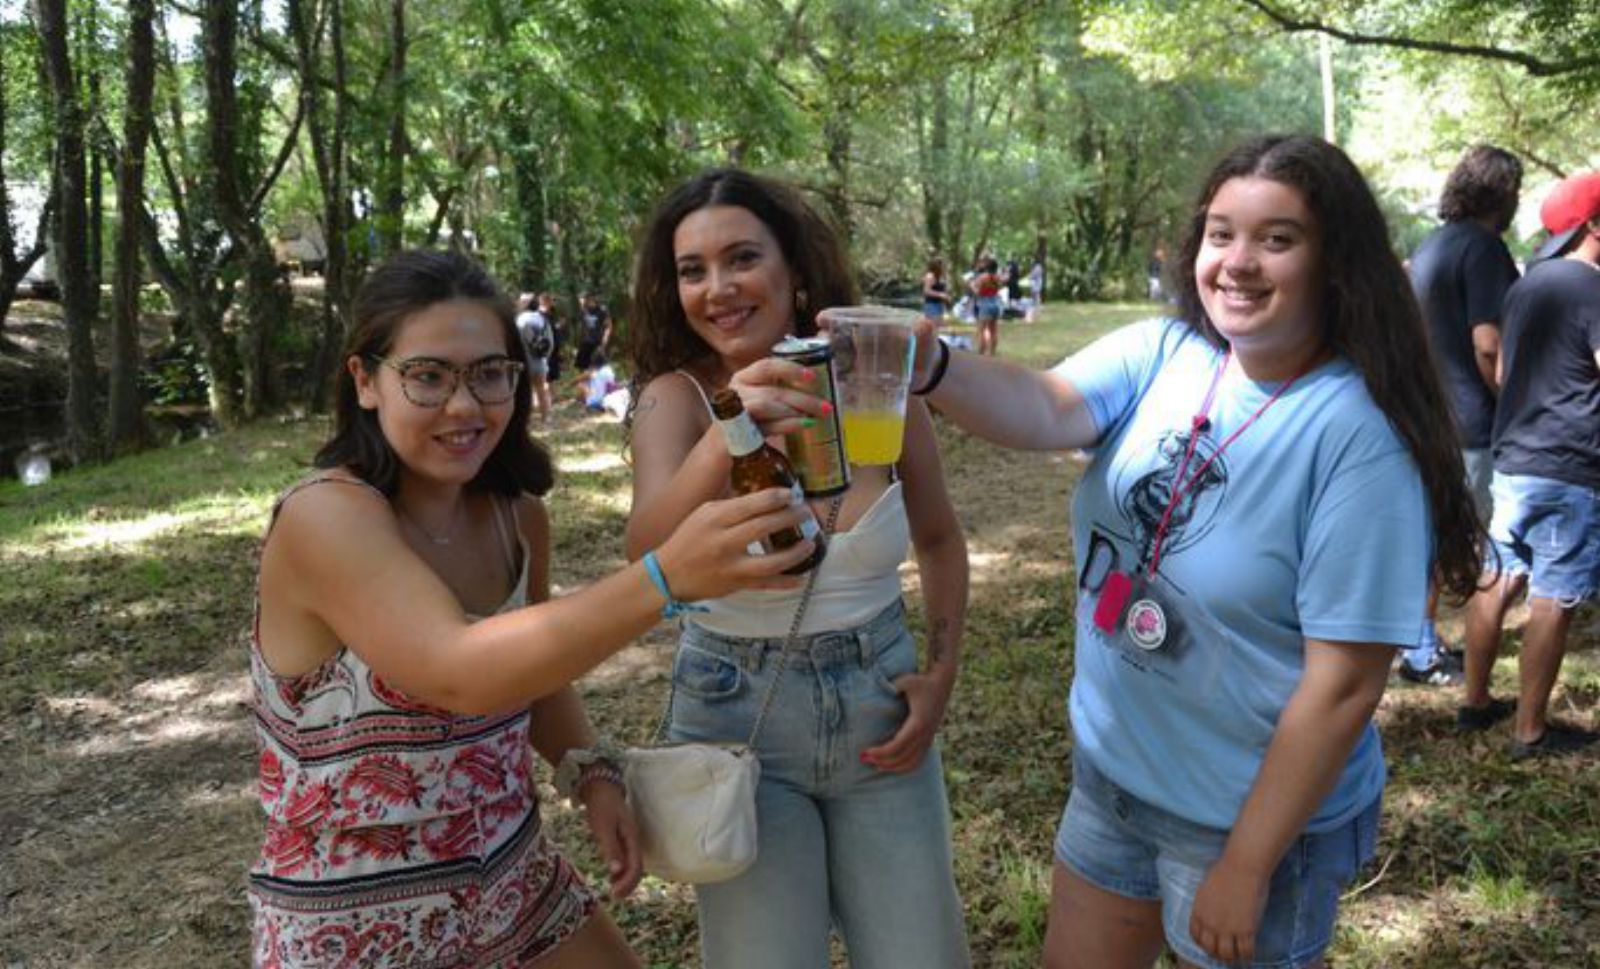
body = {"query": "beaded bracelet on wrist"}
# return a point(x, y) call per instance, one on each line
point(601, 771)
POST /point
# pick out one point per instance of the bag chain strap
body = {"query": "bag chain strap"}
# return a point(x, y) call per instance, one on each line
point(783, 656)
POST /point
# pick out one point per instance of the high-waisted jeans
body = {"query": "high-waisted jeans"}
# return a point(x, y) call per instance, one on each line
point(841, 843)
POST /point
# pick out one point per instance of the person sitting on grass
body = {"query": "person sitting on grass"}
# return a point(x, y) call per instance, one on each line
point(405, 655)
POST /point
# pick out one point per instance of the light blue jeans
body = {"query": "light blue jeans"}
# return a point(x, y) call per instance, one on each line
point(841, 844)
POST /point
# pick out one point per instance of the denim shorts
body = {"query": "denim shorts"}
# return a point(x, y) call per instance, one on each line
point(842, 845)
point(988, 307)
point(1550, 531)
point(1130, 848)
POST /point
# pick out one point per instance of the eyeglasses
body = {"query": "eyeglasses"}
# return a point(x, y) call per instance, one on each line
point(427, 382)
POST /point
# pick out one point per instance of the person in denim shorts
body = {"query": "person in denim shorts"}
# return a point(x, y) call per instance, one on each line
point(852, 817)
point(1271, 489)
point(986, 286)
point(1546, 525)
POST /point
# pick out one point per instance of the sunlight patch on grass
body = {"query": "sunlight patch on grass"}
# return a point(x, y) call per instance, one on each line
point(89, 532)
point(171, 710)
point(205, 795)
point(129, 533)
point(204, 691)
point(170, 730)
point(591, 462)
point(1507, 895)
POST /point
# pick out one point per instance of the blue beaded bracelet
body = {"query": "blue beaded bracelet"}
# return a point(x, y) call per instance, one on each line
point(673, 609)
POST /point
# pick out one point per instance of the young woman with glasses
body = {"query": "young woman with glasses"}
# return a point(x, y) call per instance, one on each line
point(400, 675)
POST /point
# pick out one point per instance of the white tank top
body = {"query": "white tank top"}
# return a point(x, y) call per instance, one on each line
point(859, 576)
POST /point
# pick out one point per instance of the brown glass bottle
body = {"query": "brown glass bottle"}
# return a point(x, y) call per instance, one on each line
point(758, 465)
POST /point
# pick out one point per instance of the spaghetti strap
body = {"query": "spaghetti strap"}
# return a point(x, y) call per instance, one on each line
point(706, 399)
point(502, 509)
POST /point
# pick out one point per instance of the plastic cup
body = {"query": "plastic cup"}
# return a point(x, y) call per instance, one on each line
point(873, 350)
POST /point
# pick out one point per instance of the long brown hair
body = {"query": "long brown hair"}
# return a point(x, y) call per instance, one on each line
point(403, 285)
point(660, 339)
point(1369, 314)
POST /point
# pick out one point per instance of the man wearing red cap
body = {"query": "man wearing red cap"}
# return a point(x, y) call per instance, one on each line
point(1546, 523)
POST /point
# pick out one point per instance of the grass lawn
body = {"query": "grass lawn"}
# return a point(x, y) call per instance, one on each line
point(126, 794)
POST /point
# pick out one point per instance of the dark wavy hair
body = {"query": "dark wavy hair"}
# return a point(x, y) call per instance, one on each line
point(660, 339)
point(1485, 184)
point(1368, 314)
point(403, 285)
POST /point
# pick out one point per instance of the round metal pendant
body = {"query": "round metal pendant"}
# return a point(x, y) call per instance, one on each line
point(1147, 624)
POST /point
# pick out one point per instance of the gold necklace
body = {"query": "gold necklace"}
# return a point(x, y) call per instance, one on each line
point(450, 533)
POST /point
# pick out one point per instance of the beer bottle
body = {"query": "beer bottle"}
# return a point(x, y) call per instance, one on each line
point(758, 465)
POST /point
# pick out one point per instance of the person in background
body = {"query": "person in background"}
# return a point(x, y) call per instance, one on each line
point(1546, 486)
point(985, 286)
point(1155, 285)
point(935, 292)
point(853, 818)
point(1013, 278)
point(558, 333)
point(594, 330)
point(1036, 286)
point(538, 340)
point(1461, 273)
point(1267, 499)
point(405, 655)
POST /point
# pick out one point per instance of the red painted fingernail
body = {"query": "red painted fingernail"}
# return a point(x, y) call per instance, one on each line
point(865, 759)
point(827, 408)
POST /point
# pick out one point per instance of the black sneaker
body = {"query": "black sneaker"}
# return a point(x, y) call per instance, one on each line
point(1554, 742)
point(1441, 672)
point(1473, 719)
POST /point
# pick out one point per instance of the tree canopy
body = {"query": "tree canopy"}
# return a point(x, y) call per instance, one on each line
point(539, 132)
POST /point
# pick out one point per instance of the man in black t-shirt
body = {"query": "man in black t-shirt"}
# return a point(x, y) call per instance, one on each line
point(594, 330)
point(1546, 525)
point(1461, 273)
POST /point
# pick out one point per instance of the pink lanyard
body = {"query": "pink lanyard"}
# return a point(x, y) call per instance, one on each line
point(1198, 425)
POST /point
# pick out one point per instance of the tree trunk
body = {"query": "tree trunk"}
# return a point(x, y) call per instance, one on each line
point(392, 204)
point(127, 429)
point(327, 152)
point(532, 234)
point(78, 297)
point(264, 304)
point(89, 41)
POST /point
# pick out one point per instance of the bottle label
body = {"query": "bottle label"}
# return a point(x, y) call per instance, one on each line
point(808, 528)
point(742, 435)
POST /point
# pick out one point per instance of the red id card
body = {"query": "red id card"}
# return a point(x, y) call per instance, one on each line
point(1113, 600)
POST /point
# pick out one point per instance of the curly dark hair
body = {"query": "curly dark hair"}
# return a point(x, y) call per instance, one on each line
point(1485, 184)
point(401, 286)
point(1369, 315)
point(660, 339)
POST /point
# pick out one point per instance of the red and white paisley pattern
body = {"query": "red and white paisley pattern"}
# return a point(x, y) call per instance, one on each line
point(427, 822)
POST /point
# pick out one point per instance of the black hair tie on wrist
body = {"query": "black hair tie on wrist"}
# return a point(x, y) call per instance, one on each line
point(938, 370)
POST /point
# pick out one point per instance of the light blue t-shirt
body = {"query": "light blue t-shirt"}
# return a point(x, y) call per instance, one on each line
point(1313, 523)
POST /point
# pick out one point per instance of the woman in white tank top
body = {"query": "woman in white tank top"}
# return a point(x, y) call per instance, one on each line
point(853, 819)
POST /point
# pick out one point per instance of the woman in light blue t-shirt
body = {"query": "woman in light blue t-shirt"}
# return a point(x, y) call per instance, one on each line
point(1272, 489)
